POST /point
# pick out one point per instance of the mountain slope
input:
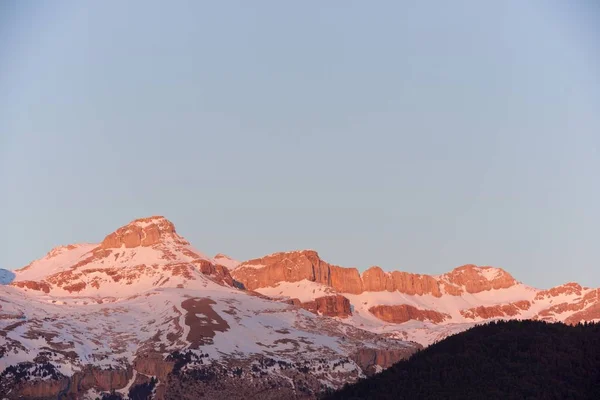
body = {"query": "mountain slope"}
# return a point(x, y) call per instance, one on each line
point(503, 360)
point(145, 304)
point(6, 276)
point(421, 308)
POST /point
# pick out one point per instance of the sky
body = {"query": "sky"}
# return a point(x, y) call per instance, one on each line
point(413, 135)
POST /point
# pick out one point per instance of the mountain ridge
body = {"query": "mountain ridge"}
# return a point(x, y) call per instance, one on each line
point(145, 307)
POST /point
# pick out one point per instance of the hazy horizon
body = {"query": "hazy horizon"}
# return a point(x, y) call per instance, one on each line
point(399, 134)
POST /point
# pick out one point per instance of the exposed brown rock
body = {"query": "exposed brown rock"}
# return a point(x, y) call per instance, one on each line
point(497, 311)
point(143, 232)
point(100, 379)
point(590, 299)
point(369, 359)
point(39, 389)
point(296, 266)
point(330, 306)
point(89, 378)
point(589, 314)
point(202, 328)
point(412, 284)
point(471, 277)
point(400, 313)
point(153, 364)
point(570, 288)
point(376, 280)
point(217, 272)
point(294, 302)
point(33, 285)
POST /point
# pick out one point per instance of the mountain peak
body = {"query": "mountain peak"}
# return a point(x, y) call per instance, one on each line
point(476, 279)
point(226, 261)
point(143, 232)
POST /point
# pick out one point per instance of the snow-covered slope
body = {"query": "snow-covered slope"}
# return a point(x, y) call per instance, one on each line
point(144, 303)
point(226, 261)
point(421, 308)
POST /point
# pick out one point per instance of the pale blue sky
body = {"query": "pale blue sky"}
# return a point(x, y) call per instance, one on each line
point(414, 135)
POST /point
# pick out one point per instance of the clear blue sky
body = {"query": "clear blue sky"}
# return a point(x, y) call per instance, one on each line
point(414, 135)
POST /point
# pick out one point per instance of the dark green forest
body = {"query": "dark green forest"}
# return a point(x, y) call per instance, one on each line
point(498, 360)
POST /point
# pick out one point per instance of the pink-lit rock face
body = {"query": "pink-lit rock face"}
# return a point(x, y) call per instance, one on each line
point(401, 313)
point(330, 306)
point(299, 265)
point(296, 266)
point(143, 232)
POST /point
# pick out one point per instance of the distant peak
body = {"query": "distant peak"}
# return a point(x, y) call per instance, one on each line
point(226, 261)
point(476, 279)
point(143, 232)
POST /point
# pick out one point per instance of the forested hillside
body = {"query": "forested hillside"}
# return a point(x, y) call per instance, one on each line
point(499, 360)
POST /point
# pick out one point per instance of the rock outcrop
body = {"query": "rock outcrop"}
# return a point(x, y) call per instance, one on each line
point(39, 389)
point(91, 377)
point(217, 272)
point(330, 306)
point(33, 285)
point(496, 311)
point(567, 289)
point(400, 313)
point(143, 232)
point(376, 280)
point(374, 360)
point(476, 279)
point(100, 379)
point(296, 266)
point(153, 364)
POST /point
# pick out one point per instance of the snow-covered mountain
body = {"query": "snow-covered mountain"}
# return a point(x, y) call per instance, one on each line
point(6, 276)
point(145, 311)
point(420, 308)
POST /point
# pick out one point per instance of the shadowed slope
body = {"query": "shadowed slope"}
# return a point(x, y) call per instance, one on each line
point(503, 360)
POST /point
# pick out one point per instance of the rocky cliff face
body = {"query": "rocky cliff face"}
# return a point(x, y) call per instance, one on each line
point(143, 232)
point(330, 306)
point(496, 311)
point(91, 377)
point(401, 313)
point(374, 360)
point(476, 279)
point(295, 266)
point(299, 265)
point(376, 280)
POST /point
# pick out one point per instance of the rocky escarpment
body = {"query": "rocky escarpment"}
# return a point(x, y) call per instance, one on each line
point(398, 314)
point(299, 265)
point(330, 306)
point(41, 380)
point(496, 311)
point(296, 266)
point(143, 232)
point(372, 361)
point(376, 280)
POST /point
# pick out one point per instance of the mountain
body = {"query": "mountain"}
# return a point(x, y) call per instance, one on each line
point(420, 308)
point(6, 276)
point(143, 314)
point(499, 360)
